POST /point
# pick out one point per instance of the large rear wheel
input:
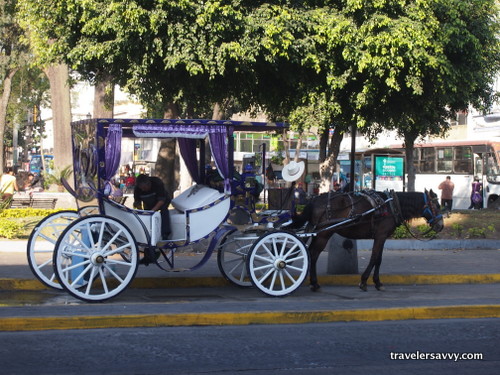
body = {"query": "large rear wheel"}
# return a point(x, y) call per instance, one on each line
point(96, 258)
point(232, 257)
point(41, 245)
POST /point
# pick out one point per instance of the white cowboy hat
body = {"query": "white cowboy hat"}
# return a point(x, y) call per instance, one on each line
point(293, 170)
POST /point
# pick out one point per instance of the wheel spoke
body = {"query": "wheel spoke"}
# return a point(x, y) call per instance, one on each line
point(89, 284)
point(103, 280)
point(266, 275)
point(282, 281)
point(52, 240)
point(273, 280)
point(283, 247)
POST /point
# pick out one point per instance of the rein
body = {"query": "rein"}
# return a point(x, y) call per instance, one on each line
point(430, 209)
point(352, 218)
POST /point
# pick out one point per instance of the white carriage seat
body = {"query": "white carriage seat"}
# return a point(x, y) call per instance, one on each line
point(195, 197)
point(194, 216)
point(130, 217)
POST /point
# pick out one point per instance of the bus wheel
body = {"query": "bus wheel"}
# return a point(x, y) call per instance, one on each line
point(494, 203)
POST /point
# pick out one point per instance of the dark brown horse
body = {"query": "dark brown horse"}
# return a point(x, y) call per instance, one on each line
point(364, 215)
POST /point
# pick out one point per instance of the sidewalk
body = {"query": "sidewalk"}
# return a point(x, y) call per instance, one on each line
point(479, 259)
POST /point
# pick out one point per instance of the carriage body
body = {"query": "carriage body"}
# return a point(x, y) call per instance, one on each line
point(96, 251)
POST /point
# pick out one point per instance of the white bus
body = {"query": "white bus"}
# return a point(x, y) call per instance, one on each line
point(461, 160)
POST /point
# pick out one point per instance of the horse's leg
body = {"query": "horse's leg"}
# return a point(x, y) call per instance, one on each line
point(315, 248)
point(375, 261)
point(378, 262)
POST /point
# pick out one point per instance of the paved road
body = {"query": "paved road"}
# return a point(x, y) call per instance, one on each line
point(307, 349)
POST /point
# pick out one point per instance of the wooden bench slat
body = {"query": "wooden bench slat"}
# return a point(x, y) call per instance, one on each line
point(49, 203)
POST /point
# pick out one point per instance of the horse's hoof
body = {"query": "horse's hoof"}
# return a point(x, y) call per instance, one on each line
point(363, 287)
point(314, 287)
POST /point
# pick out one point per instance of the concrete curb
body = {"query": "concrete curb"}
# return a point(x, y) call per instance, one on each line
point(340, 280)
point(247, 318)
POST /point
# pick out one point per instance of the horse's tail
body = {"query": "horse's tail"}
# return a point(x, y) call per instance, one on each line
point(298, 220)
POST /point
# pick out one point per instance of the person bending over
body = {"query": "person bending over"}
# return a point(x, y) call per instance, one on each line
point(150, 194)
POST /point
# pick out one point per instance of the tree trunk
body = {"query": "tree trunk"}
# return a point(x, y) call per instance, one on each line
point(328, 166)
point(167, 163)
point(410, 166)
point(7, 87)
point(104, 95)
point(58, 76)
point(323, 142)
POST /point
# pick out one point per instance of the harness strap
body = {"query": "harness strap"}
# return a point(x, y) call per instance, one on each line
point(395, 208)
point(352, 218)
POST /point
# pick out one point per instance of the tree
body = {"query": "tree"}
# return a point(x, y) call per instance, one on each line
point(12, 55)
point(408, 66)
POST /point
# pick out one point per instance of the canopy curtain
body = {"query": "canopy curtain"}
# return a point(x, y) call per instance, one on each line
point(113, 152)
point(187, 148)
point(218, 145)
point(188, 133)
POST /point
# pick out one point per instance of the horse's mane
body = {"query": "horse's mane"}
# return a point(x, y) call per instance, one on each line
point(411, 204)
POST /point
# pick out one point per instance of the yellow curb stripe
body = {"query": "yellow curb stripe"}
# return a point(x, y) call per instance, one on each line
point(413, 279)
point(344, 280)
point(246, 318)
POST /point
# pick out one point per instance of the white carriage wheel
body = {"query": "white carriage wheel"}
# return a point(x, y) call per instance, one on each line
point(96, 258)
point(41, 245)
point(232, 257)
point(278, 263)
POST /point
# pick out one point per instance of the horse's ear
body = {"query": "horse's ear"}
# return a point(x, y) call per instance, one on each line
point(425, 191)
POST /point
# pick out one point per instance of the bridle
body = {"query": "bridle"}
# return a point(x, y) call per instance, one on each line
point(430, 210)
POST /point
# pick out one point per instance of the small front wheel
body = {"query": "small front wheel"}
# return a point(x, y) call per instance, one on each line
point(278, 263)
point(96, 258)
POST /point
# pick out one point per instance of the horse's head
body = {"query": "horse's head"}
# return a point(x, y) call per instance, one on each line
point(431, 211)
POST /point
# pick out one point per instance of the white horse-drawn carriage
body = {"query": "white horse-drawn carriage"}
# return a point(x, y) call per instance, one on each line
point(94, 253)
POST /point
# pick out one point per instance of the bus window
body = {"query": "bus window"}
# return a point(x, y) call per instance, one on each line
point(428, 160)
point(463, 160)
point(444, 160)
point(479, 167)
point(492, 170)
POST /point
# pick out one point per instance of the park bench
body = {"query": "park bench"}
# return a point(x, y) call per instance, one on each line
point(31, 202)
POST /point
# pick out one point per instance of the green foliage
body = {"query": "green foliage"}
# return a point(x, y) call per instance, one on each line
point(457, 229)
point(480, 232)
point(17, 213)
point(55, 176)
point(399, 65)
point(423, 230)
point(401, 232)
point(10, 229)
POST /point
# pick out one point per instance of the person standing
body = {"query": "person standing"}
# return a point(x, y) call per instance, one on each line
point(446, 188)
point(8, 184)
point(476, 196)
point(150, 194)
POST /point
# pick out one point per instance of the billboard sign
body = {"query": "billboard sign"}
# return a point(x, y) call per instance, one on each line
point(389, 173)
